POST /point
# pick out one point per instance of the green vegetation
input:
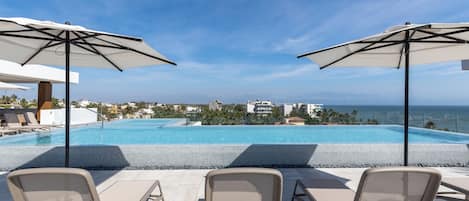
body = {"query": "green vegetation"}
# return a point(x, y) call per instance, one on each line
point(430, 125)
point(235, 114)
point(14, 101)
point(228, 115)
point(162, 112)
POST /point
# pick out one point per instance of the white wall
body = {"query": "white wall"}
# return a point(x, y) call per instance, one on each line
point(287, 109)
point(78, 116)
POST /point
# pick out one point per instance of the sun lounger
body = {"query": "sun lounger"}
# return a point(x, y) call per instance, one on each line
point(4, 131)
point(13, 122)
point(21, 119)
point(398, 184)
point(246, 184)
point(31, 121)
point(31, 118)
point(457, 184)
point(18, 121)
point(72, 184)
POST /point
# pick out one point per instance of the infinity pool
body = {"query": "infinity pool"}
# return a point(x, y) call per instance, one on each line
point(164, 131)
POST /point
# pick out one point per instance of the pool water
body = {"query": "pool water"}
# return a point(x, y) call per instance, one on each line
point(164, 131)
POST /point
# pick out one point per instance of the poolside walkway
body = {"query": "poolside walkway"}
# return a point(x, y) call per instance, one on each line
point(188, 185)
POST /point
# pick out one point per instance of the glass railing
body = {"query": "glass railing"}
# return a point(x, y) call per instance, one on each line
point(450, 118)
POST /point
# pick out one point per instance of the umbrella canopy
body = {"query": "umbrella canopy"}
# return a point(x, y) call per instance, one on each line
point(29, 41)
point(6, 86)
point(26, 40)
point(430, 43)
point(400, 46)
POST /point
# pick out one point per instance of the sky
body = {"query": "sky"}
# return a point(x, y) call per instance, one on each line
point(243, 50)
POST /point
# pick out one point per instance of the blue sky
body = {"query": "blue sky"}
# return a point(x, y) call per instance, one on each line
point(243, 50)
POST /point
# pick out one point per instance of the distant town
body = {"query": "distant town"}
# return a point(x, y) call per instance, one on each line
point(255, 112)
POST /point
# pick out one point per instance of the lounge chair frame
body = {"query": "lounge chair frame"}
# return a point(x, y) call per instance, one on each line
point(428, 195)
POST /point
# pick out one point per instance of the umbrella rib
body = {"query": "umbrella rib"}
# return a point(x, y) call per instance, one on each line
point(98, 52)
point(444, 36)
point(413, 41)
point(89, 36)
point(23, 30)
point(387, 45)
point(422, 39)
point(103, 45)
point(44, 32)
point(402, 51)
point(29, 37)
point(134, 50)
point(382, 46)
point(85, 48)
point(118, 36)
point(359, 50)
point(40, 49)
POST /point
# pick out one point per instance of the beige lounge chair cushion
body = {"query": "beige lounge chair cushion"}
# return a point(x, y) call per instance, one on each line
point(31, 118)
point(12, 119)
point(21, 119)
point(399, 184)
point(246, 184)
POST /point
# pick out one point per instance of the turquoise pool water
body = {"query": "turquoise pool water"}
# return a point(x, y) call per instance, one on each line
point(163, 131)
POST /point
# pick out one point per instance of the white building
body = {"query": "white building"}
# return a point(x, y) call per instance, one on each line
point(132, 104)
point(148, 111)
point(193, 109)
point(177, 107)
point(286, 109)
point(311, 109)
point(259, 107)
point(215, 105)
point(84, 103)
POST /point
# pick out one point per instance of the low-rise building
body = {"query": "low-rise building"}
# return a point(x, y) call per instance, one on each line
point(132, 104)
point(259, 107)
point(177, 107)
point(84, 103)
point(193, 109)
point(215, 105)
point(297, 121)
point(146, 111)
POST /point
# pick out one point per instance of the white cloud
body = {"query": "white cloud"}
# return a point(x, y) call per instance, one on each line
point(290, 71)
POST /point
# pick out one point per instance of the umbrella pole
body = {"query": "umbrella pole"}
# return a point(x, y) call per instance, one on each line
point(67, 98)
point(406, 101)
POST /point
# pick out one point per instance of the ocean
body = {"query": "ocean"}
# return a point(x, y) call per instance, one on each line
point(453, 118)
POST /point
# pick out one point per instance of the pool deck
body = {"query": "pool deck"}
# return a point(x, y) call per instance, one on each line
point(188, 184)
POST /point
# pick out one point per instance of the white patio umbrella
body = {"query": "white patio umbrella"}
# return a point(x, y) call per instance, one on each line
point(28, 41)
point(8, 86)
point(400, 46)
